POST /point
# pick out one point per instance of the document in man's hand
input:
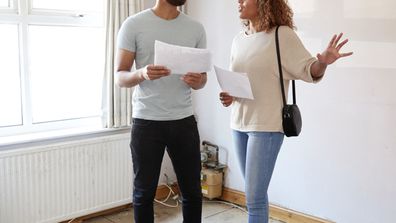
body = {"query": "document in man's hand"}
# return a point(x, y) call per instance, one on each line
point(181, 60)
point(234, 83)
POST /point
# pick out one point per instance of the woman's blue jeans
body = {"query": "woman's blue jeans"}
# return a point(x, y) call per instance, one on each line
point(148, 143)
point(257, 153)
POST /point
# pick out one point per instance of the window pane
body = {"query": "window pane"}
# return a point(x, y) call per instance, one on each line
point(10, 88)
point(5, 3)
point(74, 5)
point(67, 66)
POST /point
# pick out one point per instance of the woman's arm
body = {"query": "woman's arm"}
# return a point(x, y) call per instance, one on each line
point(318, 69)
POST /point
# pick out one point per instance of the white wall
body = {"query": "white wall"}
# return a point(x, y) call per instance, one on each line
point(342, 167)
point(148, 3)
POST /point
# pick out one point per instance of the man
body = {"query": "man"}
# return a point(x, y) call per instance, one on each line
point(162, 106)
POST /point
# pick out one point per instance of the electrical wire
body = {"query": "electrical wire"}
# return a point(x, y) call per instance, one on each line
point(175, 197)
point(71, 220)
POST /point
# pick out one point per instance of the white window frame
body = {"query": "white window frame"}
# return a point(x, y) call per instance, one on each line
point(14, 9)
point(23, 15)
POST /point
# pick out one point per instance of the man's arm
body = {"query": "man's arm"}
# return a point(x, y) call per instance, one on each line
point(126, 78)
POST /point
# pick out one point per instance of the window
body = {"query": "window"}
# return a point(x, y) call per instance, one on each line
point(70, 5)
point(52, 64)
point(6, 3)
point(10, 88)
point(71, 76)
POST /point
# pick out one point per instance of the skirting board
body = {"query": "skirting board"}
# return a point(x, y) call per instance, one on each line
point(276, 212)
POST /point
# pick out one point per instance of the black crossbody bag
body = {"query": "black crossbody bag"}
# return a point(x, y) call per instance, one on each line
point(291, 116)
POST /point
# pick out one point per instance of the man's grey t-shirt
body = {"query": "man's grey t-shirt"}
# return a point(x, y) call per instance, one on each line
point(167, 98)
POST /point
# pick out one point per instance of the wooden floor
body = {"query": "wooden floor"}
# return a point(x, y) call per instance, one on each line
point(212, 212)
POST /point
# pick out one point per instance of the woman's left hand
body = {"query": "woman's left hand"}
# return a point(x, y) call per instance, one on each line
point(332, 53)
point(225, 99)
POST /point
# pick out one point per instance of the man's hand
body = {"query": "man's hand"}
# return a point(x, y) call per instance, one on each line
point(194, 80)
point(153, 72)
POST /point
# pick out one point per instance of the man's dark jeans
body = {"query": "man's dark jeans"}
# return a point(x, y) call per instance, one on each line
point(148, 143)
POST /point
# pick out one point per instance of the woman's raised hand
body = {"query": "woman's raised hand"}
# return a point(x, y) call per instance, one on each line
point(332, 52)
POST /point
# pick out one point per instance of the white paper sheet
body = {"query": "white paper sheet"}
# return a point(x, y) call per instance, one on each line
point(181, 60)
point(236, 84)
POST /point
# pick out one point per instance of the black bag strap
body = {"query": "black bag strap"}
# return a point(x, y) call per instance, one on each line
point(281, 73)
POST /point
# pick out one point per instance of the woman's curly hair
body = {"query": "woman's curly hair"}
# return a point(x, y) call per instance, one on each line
point(273, 13)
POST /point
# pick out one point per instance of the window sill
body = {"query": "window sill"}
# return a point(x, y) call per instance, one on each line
point(36, 139)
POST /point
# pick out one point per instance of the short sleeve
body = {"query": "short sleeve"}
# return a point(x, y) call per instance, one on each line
point(202, 40)
point(296, 60)
point(126, 38)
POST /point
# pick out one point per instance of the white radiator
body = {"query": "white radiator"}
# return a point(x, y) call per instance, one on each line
point(62, 181)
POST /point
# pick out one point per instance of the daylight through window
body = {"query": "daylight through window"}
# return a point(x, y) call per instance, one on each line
point(52, 64)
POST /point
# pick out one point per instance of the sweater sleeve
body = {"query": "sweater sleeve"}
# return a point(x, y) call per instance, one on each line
point(296, 60)
point(232, 53)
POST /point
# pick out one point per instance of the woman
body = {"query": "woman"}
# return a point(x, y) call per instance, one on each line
point(256, 124)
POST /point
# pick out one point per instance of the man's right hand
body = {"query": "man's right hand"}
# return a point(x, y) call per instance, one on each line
point(153, 72)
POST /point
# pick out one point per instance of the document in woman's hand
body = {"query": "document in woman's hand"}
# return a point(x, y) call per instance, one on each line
point(234, 83)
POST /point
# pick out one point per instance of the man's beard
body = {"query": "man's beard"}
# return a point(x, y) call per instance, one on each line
point(176, 2)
